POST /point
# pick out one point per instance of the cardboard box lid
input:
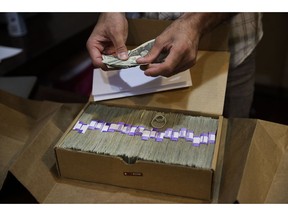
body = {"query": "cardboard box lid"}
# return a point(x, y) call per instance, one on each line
point(209, 75)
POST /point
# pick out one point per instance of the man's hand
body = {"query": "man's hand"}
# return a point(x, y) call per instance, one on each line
point(180, 40)
point(108, 37)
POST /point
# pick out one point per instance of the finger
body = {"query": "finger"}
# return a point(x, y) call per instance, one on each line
point(109, 50)
point(167, 68)
point(152, 54)
point(99, 64)
point(96, 56)
point(120, 48)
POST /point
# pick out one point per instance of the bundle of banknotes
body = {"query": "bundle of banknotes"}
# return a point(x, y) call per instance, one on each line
point(133, 134)
point(113, 62)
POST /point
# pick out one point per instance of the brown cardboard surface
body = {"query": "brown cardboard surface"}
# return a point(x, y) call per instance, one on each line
point(83, 192)
point(18, 117)
point(217, 179)
point(266, 170)
point(169, 179)
point(24, 122)
point(255, 162)
point(238, 138)
point(216, 40)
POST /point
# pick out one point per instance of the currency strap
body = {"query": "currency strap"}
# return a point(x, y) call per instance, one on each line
point(147, 133)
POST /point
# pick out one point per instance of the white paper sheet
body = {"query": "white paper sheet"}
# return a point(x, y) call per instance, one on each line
point(7, 52)
point(132, 81)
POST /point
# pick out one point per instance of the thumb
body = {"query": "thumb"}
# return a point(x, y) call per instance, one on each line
point(120, 48)
point(151, 56)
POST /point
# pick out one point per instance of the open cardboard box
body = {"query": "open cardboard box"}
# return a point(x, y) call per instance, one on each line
point(212, 68)
point(251, 163)
point(172, 179)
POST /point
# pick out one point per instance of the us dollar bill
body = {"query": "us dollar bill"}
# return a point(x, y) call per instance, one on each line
point(113, 62)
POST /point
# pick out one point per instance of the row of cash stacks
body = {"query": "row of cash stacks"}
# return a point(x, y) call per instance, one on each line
point(208, 77)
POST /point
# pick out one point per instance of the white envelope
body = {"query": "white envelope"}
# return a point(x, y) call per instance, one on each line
point(132, 81)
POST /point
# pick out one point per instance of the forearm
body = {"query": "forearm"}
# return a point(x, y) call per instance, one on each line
point(205, 22)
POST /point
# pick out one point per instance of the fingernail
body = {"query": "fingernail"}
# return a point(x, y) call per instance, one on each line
point(123, 56)
point(141, 60)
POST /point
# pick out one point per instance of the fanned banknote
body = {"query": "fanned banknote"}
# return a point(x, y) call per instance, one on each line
point(140, 51)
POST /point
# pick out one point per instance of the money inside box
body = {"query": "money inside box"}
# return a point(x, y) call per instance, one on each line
point(158, 150)
point(164, 137)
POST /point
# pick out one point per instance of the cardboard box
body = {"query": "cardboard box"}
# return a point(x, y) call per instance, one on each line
point(210, 72)
point(252, 157)
point(146, 175)
point(30, 130)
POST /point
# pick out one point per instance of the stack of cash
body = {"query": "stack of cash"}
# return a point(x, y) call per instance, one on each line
point(140, 51)
point(133, 134)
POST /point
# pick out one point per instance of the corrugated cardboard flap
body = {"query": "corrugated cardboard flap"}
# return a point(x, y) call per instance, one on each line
point(238, 138)
point(265, 177)
point(29, 130)
point(19, 123)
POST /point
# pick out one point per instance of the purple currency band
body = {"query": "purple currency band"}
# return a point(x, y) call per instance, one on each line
point(159, 136)
point(105, 128)
point(83, 128)
point(99, 125)
point(92, 125)
point(126, 128)
point(145, 135)
point(168, 133)
point(139, 130)
point(204, 138)
point(120, 126)
point(153, 134)
point(189, 135)
point(132, 130)
point(175, 136)
point(78, 125)
point(113, 127)
point(196, 141)
point(211, 138)
point(182, 133)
